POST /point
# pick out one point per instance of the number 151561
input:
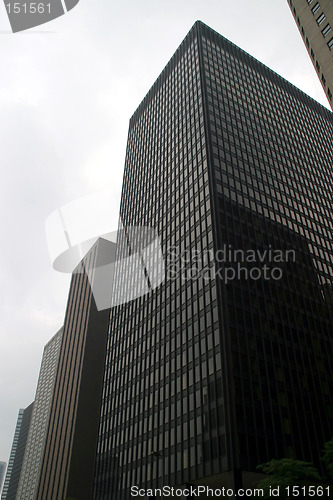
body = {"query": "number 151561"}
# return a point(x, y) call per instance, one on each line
point(28, 8)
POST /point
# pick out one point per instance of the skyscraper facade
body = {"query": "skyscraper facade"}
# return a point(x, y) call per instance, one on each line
point(70, 443)
point(227, 364)
point(12, 454)
point(14, 469)
point(3, 466)
point(315, 23)
point(32, 461)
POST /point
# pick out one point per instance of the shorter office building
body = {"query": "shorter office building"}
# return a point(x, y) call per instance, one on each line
point(12, 454)
point(71, 440)
point(14, 468)
point(39, 420)
point(3, 466)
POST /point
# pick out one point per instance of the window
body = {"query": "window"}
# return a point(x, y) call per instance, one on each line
point(329, 93)
point(330, 44)
point(317, 66)
point(315, 9)
point(312, 54)
point(307, 42)
point(323, 79)
point(310, 2)
point(321, 18)
point(326, 30)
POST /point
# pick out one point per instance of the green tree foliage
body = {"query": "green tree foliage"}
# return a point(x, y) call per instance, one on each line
point(287, 472)
point(327, 459)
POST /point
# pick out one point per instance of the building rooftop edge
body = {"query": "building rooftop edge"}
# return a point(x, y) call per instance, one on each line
point(200, 27)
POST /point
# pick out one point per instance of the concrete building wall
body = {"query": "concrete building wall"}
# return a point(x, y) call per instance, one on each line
point(69, 457)
point(315, 23)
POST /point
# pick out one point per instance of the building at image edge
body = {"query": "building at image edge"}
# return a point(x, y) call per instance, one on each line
point(314, 21)
point(205, 379)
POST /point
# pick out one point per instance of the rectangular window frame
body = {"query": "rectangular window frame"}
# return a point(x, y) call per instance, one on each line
point(321, 18)
point(325, 31)
point(315, 8)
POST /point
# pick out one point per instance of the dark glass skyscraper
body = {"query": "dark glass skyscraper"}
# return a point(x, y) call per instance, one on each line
point(228, 363)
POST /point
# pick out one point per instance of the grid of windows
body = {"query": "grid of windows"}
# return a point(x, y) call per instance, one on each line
point(158, 339)
point(20, 440)
point(12, 456)
point(294, 207)
point(221, 150)
point(56, 454)
point(70, 440)
point(318, 53)
point(273, 182)
point(3, 466)
point(33, 455)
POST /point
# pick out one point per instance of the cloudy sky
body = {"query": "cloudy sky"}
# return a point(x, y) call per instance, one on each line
point(67, 91)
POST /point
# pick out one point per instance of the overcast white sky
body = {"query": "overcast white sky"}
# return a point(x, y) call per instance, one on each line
point(67, 91)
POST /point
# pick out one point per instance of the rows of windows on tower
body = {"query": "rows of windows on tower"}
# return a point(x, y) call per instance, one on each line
point(227, 363)
point(207, 379)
